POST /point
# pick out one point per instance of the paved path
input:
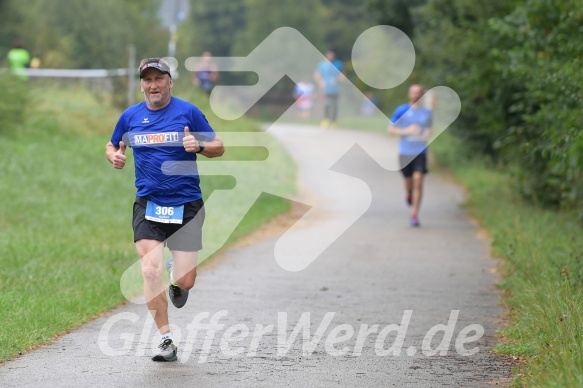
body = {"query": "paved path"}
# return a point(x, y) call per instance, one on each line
point(379, 272)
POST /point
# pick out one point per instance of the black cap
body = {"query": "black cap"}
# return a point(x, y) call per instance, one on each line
point(156, 64)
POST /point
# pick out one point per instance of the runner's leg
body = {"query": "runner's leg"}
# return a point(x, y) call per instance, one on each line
point(151, 254)
point(334, 108)
point(417, 185)
point(184, 268)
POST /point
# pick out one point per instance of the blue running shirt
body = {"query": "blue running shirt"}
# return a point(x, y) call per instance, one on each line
point(404, 116)
point(156, 139)
point(329, 73)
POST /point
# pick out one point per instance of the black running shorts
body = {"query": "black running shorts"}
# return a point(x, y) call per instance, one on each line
point(411, 163)
point(180, 237)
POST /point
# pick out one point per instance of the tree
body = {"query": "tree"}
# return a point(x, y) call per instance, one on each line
point(516, 66)
point(546, 60)
point(396, 13)
point(212, 26)
point(88, 34)
point(262, 17)
point(458, 48)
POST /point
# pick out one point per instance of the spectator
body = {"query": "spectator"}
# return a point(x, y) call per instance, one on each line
point(19, 58)
point(304, 95)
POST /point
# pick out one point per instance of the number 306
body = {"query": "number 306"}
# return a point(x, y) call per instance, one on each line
point(164, 211)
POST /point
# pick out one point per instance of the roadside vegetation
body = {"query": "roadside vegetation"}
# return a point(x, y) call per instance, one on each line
point(542, 253)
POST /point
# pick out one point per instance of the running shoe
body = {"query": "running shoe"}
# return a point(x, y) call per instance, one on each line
point(415, 221)
point(409, 198)
point(167, 351)
point(177, 295)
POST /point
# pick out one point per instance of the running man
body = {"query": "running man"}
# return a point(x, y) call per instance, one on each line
point(329, 73)
point(412, 122)
point(205, 74)
point(168, 208)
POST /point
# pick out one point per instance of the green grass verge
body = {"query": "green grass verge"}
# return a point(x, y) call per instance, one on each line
point(542, 252)
point(66, 214)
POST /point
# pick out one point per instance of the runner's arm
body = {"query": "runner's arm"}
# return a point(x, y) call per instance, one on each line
point(213, 148)
point(427, 133)
point(410, 130)
point(214, 73)
point(318, 79)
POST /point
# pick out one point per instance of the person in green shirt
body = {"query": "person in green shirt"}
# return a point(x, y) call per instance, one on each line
point(19, 58)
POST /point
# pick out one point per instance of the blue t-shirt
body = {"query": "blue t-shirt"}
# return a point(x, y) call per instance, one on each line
point(329, 73)
point(406, 115)
point(165, 172)
point(205, 78)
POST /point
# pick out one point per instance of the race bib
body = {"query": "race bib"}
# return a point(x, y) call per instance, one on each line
point(164, 214)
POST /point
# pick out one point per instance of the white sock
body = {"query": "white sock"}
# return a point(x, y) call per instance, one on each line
point(171, 277)
point(167, 336)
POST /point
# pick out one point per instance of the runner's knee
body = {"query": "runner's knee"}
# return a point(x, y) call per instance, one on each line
point(186, 282)
point(152, 272)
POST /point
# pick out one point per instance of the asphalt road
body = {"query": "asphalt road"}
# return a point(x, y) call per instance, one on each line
point(377, 284)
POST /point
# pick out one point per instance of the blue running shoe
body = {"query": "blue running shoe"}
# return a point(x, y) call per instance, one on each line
point(415, 222)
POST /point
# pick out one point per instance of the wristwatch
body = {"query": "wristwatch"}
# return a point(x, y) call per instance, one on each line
point(201, 146)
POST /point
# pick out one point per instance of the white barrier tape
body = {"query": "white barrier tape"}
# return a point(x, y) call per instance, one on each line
point(70, 73)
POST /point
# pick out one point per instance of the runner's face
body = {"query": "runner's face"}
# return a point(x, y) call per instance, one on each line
point(156, 87)
point(415, 93)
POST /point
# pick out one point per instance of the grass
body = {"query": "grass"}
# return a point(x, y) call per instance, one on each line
point(542, 252)
point(66, 214)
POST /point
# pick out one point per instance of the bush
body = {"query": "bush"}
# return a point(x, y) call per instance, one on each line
point(516, 66)
point(548, 140)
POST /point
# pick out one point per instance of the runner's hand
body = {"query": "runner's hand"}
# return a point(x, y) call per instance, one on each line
point(119, 158)
point(189, 142)
point(426, 135)
point(413, 129)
